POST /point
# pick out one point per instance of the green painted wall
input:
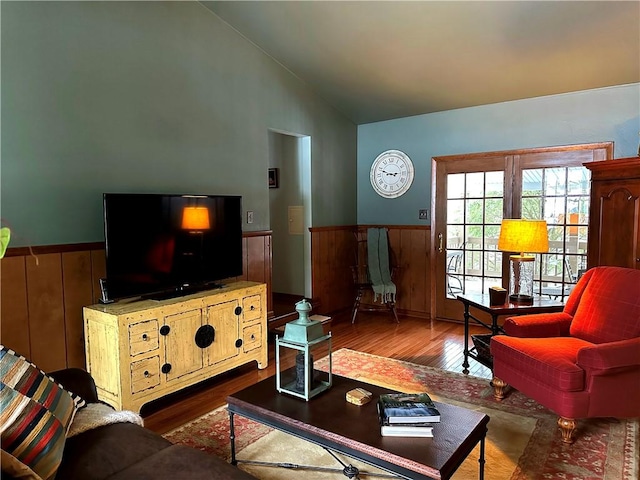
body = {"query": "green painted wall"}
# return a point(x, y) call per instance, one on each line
point(149, 97)
point(605, 114)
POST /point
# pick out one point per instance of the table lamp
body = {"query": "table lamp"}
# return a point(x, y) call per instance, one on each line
point(526, 237)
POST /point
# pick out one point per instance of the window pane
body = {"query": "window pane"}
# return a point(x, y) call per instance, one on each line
point(475, 211)
point(554, 208)
point(495, 184)
point(455, 211)
point(532, 208)
point(455, 185)
point(475, 185)
point(555, 181)
point(473, 237)
point(493, 210)
point(578, 181)
point(531, 182)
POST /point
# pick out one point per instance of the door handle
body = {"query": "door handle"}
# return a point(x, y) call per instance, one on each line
point(440, 248)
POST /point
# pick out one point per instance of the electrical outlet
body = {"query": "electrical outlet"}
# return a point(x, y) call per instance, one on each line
point(250, 216)
point(423, 214)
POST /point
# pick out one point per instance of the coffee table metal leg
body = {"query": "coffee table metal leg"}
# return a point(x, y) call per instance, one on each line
point(232, 438)
point(481, 459)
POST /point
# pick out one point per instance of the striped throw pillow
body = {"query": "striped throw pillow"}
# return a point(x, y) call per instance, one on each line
point(36, 414)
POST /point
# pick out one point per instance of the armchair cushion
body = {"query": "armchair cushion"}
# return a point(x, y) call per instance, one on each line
point(609, 298)
point(550, 361)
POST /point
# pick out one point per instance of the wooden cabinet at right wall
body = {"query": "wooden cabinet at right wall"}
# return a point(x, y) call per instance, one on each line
point(614, 216)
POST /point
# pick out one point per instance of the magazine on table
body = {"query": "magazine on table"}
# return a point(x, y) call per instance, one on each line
point(407, 408)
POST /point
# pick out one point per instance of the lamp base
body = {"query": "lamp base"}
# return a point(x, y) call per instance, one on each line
point(521, 299)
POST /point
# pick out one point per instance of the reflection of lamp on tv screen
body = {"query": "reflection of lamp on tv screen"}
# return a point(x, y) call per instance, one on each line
point(195, 220)
point(171, 244)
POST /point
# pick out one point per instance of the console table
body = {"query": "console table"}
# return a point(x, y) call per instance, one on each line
point(139, 351)
point(481, 302)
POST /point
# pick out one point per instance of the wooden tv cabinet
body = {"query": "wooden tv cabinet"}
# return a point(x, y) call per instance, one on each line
point(142, 350)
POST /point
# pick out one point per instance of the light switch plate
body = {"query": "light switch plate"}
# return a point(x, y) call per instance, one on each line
point(250, 216)
point(423, 214)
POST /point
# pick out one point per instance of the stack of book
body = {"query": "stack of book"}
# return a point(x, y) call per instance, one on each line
point(407, 415)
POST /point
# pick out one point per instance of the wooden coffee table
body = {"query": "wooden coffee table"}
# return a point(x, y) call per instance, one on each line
point(330, 421)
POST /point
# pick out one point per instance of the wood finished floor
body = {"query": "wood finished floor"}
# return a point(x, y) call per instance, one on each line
point(412, 340)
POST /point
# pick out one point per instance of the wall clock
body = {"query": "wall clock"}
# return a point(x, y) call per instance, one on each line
point(391, 173)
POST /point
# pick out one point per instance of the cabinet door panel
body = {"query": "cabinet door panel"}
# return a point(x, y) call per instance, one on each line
point(181, 351)
point(619, 229)
point(223, 319)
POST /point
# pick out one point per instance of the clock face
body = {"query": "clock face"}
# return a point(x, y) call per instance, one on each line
point(391, 173)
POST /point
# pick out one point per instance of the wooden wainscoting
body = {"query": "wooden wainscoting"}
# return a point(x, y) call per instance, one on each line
point(42, 294)
point(333, 253)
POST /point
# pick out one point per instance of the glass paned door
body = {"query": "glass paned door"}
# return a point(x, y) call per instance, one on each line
point(559, 195)
point(475, 204)
point(472, 194)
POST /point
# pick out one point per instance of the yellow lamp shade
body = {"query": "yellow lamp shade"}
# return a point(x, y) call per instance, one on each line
point(525, 236)
point(195, 218)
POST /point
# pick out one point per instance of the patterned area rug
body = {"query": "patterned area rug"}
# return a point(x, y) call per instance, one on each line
point(523, 440)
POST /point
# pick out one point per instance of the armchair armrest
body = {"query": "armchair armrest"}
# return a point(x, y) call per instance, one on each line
point(612, 357)
point(77, 381)
point(539, 325)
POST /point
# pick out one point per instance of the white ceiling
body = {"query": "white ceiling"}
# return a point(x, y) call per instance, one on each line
point(378, 60)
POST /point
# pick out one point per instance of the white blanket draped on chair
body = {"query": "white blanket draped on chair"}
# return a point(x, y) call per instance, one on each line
point(378, 261)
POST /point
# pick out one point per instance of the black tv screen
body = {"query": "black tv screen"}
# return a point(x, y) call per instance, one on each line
point(167, 245)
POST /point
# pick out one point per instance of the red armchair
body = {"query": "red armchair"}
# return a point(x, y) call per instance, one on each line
point(583, 362)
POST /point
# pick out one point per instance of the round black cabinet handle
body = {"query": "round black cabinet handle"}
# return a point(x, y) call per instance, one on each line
point(238, 343)
point(253, 337)
point(238, 310)
point(146, 373)
point(166, 368)
point(165, 329)
point(145, 337)
point(253, 307)
point(205, 336)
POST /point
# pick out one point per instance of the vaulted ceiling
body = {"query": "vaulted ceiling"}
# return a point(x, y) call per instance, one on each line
point(378, 60)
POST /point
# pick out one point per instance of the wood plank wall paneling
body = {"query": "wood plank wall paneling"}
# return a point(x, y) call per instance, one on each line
point(98, 271)
point(333, 252)
point(45, 300)
point(41, 304)
point(41, 300)
point(14, 311)
point(78, 292)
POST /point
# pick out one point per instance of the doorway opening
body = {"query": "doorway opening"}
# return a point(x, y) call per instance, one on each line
point(290, 219)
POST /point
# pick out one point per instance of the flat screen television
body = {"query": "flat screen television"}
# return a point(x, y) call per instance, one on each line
point(159, 246)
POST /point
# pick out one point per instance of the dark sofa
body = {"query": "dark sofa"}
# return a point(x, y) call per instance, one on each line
point(127, 451)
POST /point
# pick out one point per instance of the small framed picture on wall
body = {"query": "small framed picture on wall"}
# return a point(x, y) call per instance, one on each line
point(273, 178)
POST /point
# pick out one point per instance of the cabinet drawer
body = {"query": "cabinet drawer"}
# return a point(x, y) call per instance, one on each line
point(251, 337)
point(251, 308)
point(145, 374)
point(143, 337)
